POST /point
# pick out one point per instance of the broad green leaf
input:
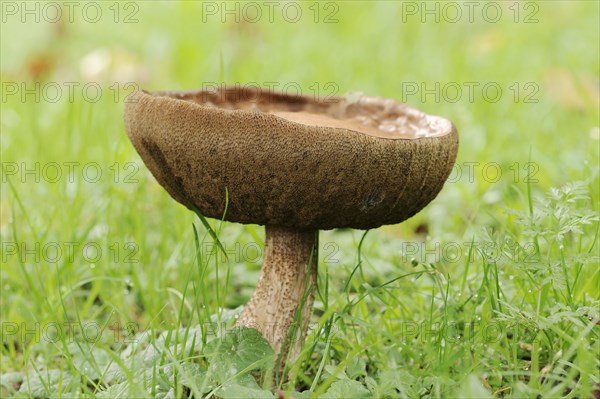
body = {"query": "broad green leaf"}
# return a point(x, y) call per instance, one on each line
point(472, 388)
point(43, 384)
point(10, 383)
point(355, 368)
point(346, 389)
point(236, 391)
point(240, 351)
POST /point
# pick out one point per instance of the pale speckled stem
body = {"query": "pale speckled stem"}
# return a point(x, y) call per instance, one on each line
point(287, 281)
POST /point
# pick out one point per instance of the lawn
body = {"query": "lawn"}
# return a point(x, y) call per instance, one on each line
point(110, 288)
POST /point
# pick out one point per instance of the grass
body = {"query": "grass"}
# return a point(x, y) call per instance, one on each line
point(112, 289)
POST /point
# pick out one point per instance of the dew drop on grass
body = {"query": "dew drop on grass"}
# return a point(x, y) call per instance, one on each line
point(92, 265)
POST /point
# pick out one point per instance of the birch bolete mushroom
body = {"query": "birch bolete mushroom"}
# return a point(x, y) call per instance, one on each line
point(296, 165)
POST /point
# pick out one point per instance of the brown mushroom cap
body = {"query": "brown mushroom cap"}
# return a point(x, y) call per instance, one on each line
point(292, 161)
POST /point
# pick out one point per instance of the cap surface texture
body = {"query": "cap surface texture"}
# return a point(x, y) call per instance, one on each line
point(292, 161)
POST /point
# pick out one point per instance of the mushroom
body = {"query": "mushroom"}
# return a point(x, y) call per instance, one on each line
point(296, 165)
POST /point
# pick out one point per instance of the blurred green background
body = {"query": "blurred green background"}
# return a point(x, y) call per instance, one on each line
point(520, 80)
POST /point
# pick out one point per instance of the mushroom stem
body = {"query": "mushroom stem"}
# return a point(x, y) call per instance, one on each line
point(281, 305)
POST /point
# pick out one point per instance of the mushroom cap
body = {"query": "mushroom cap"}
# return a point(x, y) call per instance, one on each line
point(255, 156)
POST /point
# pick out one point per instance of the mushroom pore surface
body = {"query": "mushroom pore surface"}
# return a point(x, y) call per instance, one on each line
point(292, 161)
